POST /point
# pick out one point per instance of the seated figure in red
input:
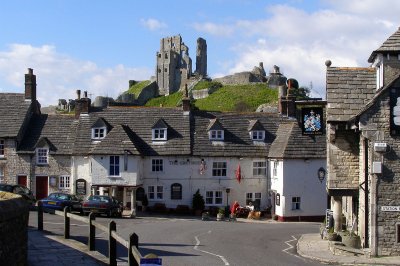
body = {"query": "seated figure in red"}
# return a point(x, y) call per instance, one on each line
point(234, 207)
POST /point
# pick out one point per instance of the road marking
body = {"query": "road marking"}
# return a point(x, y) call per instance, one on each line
point(286, 250)
point(196, 247)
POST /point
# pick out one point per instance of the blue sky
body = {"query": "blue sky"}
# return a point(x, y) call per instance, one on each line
point(99, 45)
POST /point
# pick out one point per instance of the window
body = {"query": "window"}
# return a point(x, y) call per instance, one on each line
point(216, 134)
point(295, 203)
point(379, 76)
point(260, 168)
point(176, 191)
point(42, 156)
point(1, 147)
point(255, 198)
point(257, 135)
point(114, 166)
point(98, 133)
point(275, 169)
point(214, 197)
point(157, 165)
point(278, 199)
point(159, 134)
point(219, 169)
point(1, 172)
point(64, 182)
point(398, 233)
point(155, 192)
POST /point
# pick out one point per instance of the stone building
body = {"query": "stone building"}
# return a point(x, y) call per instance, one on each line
point(174, 66)
point(201, 58)
point(363, 147)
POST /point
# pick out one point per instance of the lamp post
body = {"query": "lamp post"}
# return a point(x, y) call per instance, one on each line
point(227, 190)
point(321, 174)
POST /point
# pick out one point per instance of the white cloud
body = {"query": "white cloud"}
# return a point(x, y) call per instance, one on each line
point(153, 24)
point(214, 29)
point(300, 42)
point(59, 76)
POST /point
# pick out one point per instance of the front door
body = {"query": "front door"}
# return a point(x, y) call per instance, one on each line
point(42, 187)
point(22, 180)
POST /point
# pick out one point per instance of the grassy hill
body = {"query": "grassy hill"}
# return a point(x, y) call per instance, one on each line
point(227, 98)
point(138, 87)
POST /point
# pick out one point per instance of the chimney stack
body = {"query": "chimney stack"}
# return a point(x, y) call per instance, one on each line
point(30, 86)
point(82, 105)
point(286, 101)
point(186, 101)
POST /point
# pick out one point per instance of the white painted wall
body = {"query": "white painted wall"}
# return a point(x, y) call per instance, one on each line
point(299, 178)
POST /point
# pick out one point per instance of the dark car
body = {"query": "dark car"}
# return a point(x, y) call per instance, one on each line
point(60, 200)
point(101, 204)
point(25, 192)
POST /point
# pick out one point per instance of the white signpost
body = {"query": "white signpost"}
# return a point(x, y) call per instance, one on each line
point(390, 208)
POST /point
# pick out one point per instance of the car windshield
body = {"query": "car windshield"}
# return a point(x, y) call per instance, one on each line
point(99, 198)
point(64, 197)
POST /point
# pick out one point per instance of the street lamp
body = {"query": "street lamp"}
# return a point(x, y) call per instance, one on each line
point(321, 174)
point(227, 190)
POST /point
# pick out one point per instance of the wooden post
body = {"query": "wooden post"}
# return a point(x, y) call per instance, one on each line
point(40, 216)
point(92, 232)
point(133, 241)
point(112, 244)
point(66, 223)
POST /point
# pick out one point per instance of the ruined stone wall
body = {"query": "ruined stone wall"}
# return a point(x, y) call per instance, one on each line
point(388, 183)
point(148, 92)
point(238, 78)
point(14, 217)
point(201, 57)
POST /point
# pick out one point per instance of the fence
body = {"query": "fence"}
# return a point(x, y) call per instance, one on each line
point(132, 245)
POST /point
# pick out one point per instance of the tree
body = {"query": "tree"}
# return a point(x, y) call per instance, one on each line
point(198, 201)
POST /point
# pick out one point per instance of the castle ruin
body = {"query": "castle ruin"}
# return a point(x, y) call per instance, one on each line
point(174, 65)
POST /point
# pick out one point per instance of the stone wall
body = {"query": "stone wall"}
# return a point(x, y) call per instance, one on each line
point(14, 218)
point(148, 92)
point(388, 183)
point(239, 78)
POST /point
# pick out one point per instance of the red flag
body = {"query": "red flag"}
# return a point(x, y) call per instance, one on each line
point(238, 174)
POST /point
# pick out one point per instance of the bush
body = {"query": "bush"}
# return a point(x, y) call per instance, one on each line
point(221, 211)
point(198, 201)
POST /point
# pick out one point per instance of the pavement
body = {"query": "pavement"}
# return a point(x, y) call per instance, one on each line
point(45, 248)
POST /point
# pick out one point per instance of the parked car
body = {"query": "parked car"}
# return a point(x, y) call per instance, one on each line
point(25, 192)
point(101, 204)
point(60, 200)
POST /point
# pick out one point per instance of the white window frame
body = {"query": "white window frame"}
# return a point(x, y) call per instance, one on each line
point(216, 134)
point(214, 198)
point(42, 156)
point(64, 182)
point(159, 134)
point(2, 148)
point(157, 165)
point(116, 166)
point(99, 132)
point(219, 169)
point(155, 192)
point(257, 135)
point(275, 166)
point(296, 203)
point(259, 168)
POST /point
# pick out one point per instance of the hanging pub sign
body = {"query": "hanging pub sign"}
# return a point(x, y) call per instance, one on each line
point(395, 111)
point(312, 122)
point(80, 187)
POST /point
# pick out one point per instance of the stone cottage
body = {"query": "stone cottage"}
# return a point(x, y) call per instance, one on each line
point(363, 147)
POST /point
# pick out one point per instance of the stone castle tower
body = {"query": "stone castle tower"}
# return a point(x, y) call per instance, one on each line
point(201, 57)
point(174, 66)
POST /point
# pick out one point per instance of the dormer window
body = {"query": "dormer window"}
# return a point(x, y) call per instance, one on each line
point(99, 133)
point(216, 134)
point(159, 130)
point(256, 130)
point(215, 130)
point(1, 147)
point(159, 134)
point(257, 135)
point(42, 156)
point(99, 129)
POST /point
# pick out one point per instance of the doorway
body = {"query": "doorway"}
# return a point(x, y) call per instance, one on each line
point(22, 180)
point(42, 187)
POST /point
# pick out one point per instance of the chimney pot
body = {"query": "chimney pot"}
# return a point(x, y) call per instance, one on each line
point(30, 71)
point(78, 93)
point(85, 94)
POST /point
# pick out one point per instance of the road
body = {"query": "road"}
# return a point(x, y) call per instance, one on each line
point(190, 241)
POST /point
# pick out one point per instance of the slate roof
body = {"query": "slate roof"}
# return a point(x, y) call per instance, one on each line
point(392, 44)
point(237, 142)
point(290, 143)
point(348, 90)
point(57, 130)
point(135, 124)
point(13, 112)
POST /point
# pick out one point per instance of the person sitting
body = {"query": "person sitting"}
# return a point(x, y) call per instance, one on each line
point(252, 214)
point(234, 207)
